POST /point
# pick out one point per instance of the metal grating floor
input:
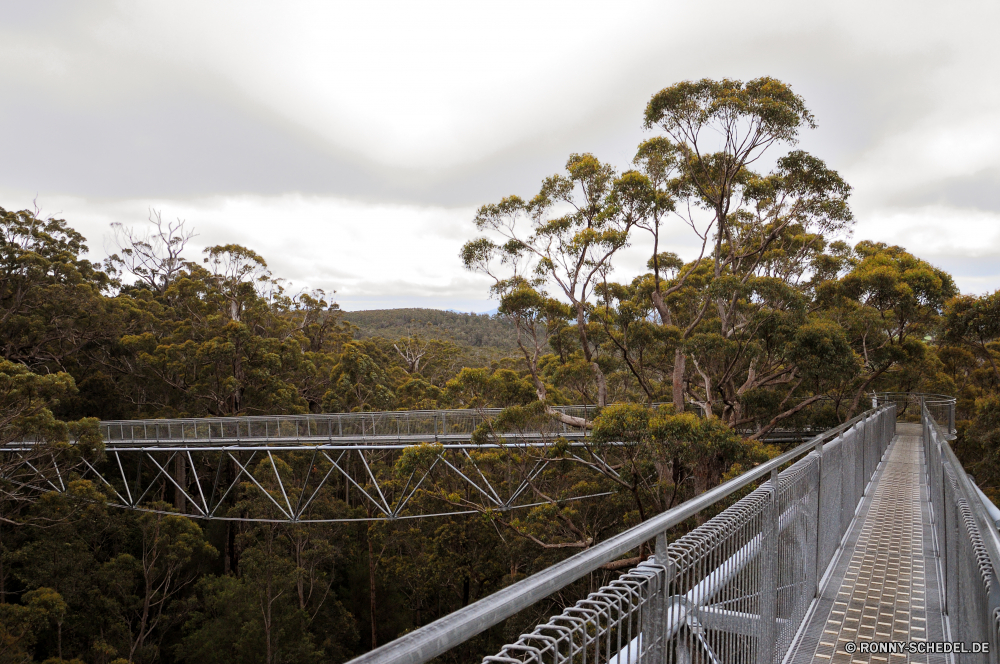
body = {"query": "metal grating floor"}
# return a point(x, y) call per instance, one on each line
point(883, 585)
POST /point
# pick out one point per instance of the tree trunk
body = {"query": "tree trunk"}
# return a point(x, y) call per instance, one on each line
point(180, 476)
point(602, 386)
point(268, 624)
point(371, 588)
point(661, 308)
point(3, 572)
point(234, 555)
point(678, 380)
point(602, 383)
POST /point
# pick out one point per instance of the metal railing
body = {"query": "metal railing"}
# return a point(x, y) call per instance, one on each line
point(967, 540)
point(398, 428)
point(909, 405)
point(734, 589)
point(405, 426)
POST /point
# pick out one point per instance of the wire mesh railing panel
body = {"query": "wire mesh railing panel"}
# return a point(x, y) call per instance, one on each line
point(968, 543)
point(848, 482)
point(715, 591)
point(395, 424)
point(949, 542)
point(620, 623)
point(830, 502)
point(974, 580)
point(797, 504)
point(995, 625)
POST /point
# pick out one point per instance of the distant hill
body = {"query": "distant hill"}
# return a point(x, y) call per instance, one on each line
point(471, 330)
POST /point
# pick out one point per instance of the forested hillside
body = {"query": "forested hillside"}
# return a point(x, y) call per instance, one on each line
point(781, 320)
point(478, 338)
point(467, 329)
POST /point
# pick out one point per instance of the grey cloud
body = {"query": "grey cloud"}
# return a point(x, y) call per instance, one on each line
point(175, 145)
point(966, 266)
point(123, 127)
point(169, 137)
point(980, 190)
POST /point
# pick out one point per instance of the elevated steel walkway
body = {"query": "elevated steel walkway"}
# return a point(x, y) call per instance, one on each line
point(203, 462)
point(867, 544)
point(288, 460)
point(885, 584)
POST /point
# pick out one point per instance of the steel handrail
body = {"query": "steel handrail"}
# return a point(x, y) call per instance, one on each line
point(920, 399)
point(968, 543)
point(387, 414)
point(992, 511)
point(928, 397)
point(455, 628)
point(988, 529)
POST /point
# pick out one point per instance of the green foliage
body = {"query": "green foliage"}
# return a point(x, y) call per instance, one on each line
point(768, 103)
point(26, 401)
point(466, 329)
point(359, 381)
point(622, 423)
point(495, 387)
point(50, 298)
point(981, 444)
point(21, 624)
point(821, 350)
point(974, 323)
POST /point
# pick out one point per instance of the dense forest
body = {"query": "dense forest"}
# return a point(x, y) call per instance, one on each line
point(778, 322)
point(467, 329)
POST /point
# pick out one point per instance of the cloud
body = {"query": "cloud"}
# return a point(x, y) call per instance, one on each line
point(321, 132)
point(364, 253)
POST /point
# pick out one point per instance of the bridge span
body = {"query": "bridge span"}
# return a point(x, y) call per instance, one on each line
point(287, 461)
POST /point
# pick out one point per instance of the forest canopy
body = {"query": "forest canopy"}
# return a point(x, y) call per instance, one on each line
point(776, 321)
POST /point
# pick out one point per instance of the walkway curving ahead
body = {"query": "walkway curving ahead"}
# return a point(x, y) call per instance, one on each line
point(885, 584)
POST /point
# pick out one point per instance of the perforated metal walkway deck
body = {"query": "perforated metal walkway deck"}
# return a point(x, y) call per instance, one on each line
point(884, 586)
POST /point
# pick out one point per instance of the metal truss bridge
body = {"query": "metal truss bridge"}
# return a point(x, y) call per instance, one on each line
point(286, 464)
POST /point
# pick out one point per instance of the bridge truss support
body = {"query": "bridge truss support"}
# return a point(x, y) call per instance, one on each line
point(318, 468)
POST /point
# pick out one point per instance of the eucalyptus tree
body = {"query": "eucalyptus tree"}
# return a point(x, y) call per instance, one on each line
point(887, 303)
point(154, 256)
point(760, 232)
point(52, 299)
point(218, 343)
point(564, 239)
point(971, 346)
point(974, 323)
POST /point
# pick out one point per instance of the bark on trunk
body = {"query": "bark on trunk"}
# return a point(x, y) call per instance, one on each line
point(371, 589)
point(602, 384)
point(3, 572)
point(678, 380)
point(234, 555)
point(180, 476)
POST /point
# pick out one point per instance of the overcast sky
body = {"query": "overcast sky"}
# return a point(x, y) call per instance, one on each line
point(350, 143)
